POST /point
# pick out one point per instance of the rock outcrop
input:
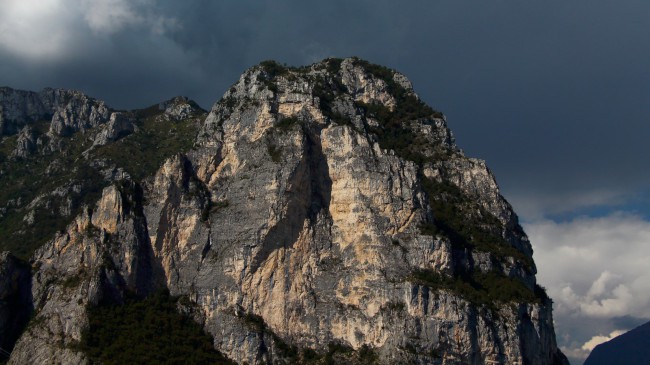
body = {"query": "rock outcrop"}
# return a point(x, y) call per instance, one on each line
point(25, 143)
point(68, 110)
point(99, 258)
point(324, 214)
point(119, 125)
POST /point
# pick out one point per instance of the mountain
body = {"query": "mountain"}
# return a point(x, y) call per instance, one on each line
point(630, 348)
point(315, 215)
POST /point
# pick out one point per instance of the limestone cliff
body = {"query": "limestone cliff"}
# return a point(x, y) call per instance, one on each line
point(323, 215)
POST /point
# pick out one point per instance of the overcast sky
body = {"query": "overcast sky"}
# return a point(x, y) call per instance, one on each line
point(554, 94)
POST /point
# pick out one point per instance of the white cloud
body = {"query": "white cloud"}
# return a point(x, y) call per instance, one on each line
point(53, 29)
point(595, 266)
point(581, 352)
point(35, 28)
point(595, 269)
point(597, 340)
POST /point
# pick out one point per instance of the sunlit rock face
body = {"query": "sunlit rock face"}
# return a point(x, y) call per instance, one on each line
point(324, 214)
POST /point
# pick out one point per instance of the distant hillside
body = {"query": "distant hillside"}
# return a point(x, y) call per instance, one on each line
point(630, 348)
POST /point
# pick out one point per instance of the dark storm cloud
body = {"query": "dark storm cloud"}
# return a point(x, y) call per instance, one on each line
point(124, 62)
point(554, 95)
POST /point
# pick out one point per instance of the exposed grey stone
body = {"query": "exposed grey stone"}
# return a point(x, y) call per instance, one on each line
point(25, 144)
point(118, 126)
point(69, 111)
point(178, 108)
point(77, 114)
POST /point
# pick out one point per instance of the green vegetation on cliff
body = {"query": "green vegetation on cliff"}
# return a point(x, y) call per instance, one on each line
point(481, 288)
point(394, 132)
point(63, 181)
point(143, 152)
point(465, 223)
point(149, 331)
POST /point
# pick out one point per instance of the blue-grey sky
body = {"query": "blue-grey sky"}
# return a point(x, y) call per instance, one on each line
point(555, 95)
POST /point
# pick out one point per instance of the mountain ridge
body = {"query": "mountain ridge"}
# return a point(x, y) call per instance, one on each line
point(83, 155)
point(321, 212)
point(630, 348)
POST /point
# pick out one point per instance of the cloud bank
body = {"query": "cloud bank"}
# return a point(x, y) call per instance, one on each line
point(596, 270)
point(115, 50)
point(55, 29)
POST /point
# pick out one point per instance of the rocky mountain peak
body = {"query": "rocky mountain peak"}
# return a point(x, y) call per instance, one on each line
point(179, 108)
point(319, 214)
point(349, 91)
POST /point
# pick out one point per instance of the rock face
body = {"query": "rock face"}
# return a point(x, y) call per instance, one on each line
point(324, 214)
point(25, 143)
point(118, 126)
point(69, 110)
point(99, 257)
point(54, 113)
